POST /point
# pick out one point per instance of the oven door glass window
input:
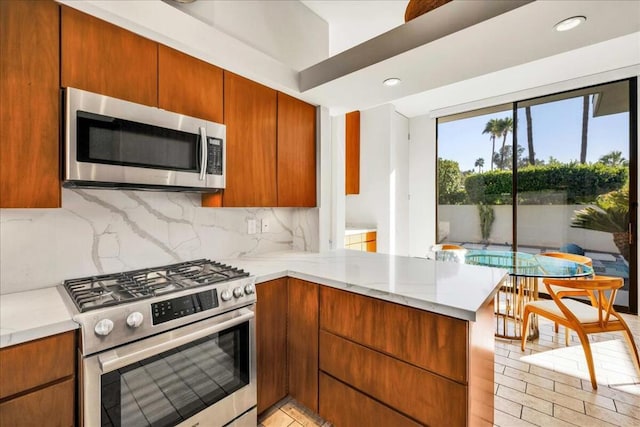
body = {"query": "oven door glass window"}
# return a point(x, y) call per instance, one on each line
point(167, 389)
point(113, 141)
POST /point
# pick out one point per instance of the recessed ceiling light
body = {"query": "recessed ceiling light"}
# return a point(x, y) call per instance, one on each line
point(391, 81)
point(569, 23)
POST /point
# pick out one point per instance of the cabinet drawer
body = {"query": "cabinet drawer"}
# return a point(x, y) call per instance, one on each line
point(423, 396)
point(431, 341)
point(51, 406)
point(346, 407)
point(36, 363)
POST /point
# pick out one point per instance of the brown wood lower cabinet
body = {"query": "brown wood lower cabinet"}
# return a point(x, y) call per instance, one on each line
point(426, 397)
point(362, 361)
point(50, 406)
point(271, 342)
point(346, 407)
point(303, 342)
point(37, 382)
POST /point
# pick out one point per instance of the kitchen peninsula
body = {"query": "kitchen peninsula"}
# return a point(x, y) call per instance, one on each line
point(359, 336)
point(375, 339)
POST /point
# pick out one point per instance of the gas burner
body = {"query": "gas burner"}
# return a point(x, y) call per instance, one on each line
point(94, 292)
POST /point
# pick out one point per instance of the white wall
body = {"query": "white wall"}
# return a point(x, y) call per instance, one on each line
point(285, 30)
point(541, 226)
point(382, 202)
point(422, 185)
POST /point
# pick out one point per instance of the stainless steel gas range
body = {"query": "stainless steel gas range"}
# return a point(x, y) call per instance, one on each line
point(166, 346)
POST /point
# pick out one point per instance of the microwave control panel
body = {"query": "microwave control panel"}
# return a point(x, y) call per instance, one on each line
point(175, 308)
point(214, 159)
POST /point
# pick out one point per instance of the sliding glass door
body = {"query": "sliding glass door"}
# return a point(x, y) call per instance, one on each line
point(554, 173)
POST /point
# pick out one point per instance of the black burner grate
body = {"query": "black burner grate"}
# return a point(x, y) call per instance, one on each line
point(93, 292)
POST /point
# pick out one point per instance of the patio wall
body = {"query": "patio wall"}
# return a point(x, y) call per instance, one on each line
point(545, 226)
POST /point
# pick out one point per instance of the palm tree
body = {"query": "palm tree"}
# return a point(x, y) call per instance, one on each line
point(493, 129)
point(532, 154)
point(613, 158)
point(611, 215)
point(585, 128)
point(505, 126)
point(479, 164)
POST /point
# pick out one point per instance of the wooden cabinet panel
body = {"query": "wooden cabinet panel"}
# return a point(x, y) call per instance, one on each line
point(431, 341)
point(250, 116)
point(481, 367)
point(371, 246)
point(422, 395)
point(303, 342)
point(103, 58)
point(346, 407)
point(296, 152)
point(271, 342)
point(51, 406)
point(29, 104)
point(352, 154)
point(32, 364)
point(189, 86)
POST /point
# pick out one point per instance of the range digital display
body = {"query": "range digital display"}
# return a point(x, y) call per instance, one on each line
point(176, 308)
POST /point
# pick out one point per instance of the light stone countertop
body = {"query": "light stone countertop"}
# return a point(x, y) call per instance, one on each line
point(448, 288)
point(27, 316)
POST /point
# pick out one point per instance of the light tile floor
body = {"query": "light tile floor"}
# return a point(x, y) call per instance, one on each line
point(546, 385)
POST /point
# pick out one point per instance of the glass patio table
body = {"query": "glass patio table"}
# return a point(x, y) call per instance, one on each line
point(525, 270)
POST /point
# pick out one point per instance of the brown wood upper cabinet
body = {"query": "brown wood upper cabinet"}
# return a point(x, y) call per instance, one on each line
point(250, 115)
point(189, 86)
point(352, 153)
point(103, 58)
point(29, 104)
point(296, 152)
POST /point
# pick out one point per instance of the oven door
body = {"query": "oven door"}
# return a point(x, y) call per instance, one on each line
point(200, 374)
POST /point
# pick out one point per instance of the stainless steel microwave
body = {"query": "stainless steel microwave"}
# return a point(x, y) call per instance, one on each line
point(111, 143)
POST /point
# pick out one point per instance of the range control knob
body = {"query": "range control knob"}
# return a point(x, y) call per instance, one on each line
point(103, 327)
point(238, 292)
point(225, 295)
point(135, 319)
point(249, 289)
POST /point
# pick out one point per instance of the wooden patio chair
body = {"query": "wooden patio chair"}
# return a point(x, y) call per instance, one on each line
point(585, 319)
point(569, 292)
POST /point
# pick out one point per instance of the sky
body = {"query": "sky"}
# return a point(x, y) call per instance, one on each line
point(557, 132)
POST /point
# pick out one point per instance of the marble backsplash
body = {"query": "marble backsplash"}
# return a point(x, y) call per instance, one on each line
point(105, 231)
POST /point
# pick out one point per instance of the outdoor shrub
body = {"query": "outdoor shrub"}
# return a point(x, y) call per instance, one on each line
point(548, 184)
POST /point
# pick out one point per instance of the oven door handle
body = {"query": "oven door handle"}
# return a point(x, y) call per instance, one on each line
point(116, 359)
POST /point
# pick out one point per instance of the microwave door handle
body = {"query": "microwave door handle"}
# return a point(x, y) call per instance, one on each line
point(203, 153)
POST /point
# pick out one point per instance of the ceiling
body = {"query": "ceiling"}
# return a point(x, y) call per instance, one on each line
point(352, 22)
point(518, 37)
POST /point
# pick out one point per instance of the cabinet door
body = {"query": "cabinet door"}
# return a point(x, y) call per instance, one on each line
point(49, 406)
point(271, 342)
point(296, 152)
point(29, 104)
point(102, 58)
point(250, 116)
point(35, 363)
point(343, 406)
point(352, 153)
point(189, 86)
point(303, 342)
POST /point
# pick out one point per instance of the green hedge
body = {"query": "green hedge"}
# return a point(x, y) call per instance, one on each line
point(573, 183)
